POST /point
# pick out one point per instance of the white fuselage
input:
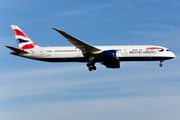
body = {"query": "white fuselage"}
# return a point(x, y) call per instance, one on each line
point(124, 53)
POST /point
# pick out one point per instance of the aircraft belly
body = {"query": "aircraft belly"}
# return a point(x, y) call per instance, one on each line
point(63, 59)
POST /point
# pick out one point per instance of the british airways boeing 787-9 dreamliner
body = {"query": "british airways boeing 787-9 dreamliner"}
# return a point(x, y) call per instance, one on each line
point(110, 56)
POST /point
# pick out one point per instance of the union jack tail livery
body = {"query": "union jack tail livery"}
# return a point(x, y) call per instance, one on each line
point(23, 40)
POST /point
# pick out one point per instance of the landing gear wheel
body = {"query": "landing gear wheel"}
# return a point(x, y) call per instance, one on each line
point(161, 61)
point(94, 68)
point(90, 68)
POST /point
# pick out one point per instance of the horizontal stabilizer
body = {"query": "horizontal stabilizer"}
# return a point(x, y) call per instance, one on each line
point(17, 50)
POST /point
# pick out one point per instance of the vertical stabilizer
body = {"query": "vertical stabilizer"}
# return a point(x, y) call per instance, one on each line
point(23, 40)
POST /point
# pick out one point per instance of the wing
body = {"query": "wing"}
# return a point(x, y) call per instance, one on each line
point(84, 47)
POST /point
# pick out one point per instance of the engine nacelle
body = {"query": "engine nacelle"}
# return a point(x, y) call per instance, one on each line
point(115, 64)
point(110, 55)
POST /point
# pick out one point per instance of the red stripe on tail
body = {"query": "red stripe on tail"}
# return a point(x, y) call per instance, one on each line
point(18, 32)
point(28, 46)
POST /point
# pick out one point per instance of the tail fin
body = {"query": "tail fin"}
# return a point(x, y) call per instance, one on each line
point(23, 40)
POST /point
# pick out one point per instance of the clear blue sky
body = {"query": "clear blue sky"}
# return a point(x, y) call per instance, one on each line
point(32, 89)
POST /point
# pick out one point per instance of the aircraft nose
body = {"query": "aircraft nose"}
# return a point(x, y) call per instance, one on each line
point(173, 55)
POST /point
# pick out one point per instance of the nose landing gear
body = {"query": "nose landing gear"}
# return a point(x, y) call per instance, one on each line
point(161, 61)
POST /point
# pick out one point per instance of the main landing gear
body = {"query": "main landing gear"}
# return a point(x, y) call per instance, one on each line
point(91, 66)
point(161, 61)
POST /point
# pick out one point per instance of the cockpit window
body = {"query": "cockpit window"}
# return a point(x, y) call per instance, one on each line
point(167, 50)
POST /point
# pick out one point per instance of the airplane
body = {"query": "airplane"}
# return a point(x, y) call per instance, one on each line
point(109, 56)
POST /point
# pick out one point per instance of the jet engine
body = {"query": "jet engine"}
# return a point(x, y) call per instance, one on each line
point(115, 64)
point(109, 55)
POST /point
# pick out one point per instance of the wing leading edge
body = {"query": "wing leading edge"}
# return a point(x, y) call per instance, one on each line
point(84, 47)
